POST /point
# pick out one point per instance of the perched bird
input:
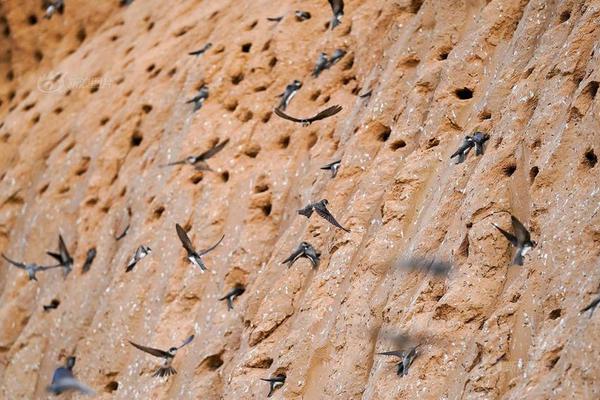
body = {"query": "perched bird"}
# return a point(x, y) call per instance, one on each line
point(89, 259)
point(337, 7)
point(199, 99)
point(521, 239)
point(202, 50)
point(337, 56)
point(52, 7)
point(52, 306)
point(437, 268)
point(237, 290)
point(464, 149)
point(333, 167)
point(64, 381)
point(32, 269)
point(302, 15)
point(321, 208)
point(199, 161)
point(479, 138)
point(289, 93)
point(194, 256)
point(321, 65)
point(274, 383)
point(275, 19)
point(63, 257)
point(328, 112)
point(406, 359)
point(123, 234)
point(169, 355)
point(140, 253)
point(591, 307)
point(305, 250)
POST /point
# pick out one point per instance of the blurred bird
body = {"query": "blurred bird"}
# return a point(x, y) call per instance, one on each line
point(464, 149)
point(406, 359)
point(63, 257)
point(237, 290)
point(333, 167)
point(169, 355)
point(140, 253)
point(337, 7)
point(437, 268)
point(321, 65)
point(289, 93)
point(274, 383)
point(275, 19)
point(194, 256)
point(521, 239)
point(126, 2)
point(202, 50)
point(199, 99)
point(365, 95)
point(89, 259)
point(302, 15)
point(321, 208)
point(32, 269)
point(123, 234)
point(328, 112)
point(305, 250)
point(591, 307)
point(199, 161)
point(337, 56)
point(52, 306)
point(53, 6)
point(64, 381)
point(479, 138)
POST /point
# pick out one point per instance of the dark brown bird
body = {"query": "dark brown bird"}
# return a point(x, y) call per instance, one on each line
point(169, 355)
point(337, 7)
point(199, 161)
point(63, 257)
point(321, 208)
point(306, 250)
point(328, 112)
point(194, 256)
point(32, 269)
point(521, 239)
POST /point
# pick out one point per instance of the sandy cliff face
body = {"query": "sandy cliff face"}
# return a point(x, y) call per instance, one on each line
point(93, 104)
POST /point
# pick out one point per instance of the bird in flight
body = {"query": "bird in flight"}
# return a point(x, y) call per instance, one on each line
point(63, 257)
point(32, 269)
point(194, 256)
point(306, 250)
point(328, 112)
point(464, 149)
point(169, 355)
point(89, 259)
point(479, 138)
point(321, 208)
point(337, 7)
point(321, 65)
point(140, 253)
point(289, 93)
point(64, 381)
point(199, 99)
point(406, 358)
point(237, 291)
point(521, 239)
point(591, 307)
point(199, 161)
point(202, 50)
point(333, 167)
point(274, 383)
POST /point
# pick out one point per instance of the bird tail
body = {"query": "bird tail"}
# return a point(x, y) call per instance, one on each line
point(518, 258)
point(164, 371)
point(305, 212)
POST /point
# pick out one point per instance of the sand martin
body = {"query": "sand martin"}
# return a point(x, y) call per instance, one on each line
point(521, 239)
point(53, 6)
point(123, 234)
point(337, 56)
point(321, 208)
point(275, 19)
point(237, 290)
point(321, 65)
point(169, 355)
point(591, 307)
point(406, 359)
point(464, 149)
point(199, 161)
point(140, 253)
point(31, 269)
point(194, 256)
point(305, 250)
point(328, 112)
point(437, 268)
point(89, 259)
point(52, 306)
point(199, 99)
point(333, 167)
point(63, 257)
point(64, 381)
point(289, 93)
point(274, 383)
point(337, 7)
point(302, 15)
point(202, 50)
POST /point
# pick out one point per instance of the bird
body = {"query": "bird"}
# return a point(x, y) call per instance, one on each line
point(199, 99)
point(302, 15)
point(321, 208)
point(123, 234)
point(337, 56)
point(169, 355)
point(63, 257)
point(464, 149)
point(32, 269)
point(52, 7)
point(140, 253)
point(328, 112)
point(64, 381)
point(53, 305)
point(305, 250)
point(237, 290)
point(275, 19)
point(591, 307)
point(289, 93)
point(521, 239)
point(479, 138)
point(337, 7)
point(333, 167)
point(89, 259)
point(406, 359)
point(199, 161)
point(365, 95)
point(194, 256)
point(202, 50)
point(321, 65)
point(437, 268)
point(126, 2)
point(274, 383)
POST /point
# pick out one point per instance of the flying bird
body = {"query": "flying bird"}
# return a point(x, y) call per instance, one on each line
point(52, 306)
point(321, 208)
point(406, 359)
point(275, 19)
point(305, 250)
point(274, 383)
point(199, 161)
point(337, 7)
point(437, 268)
point(53, 6)
point(591, 307)
point(194, 256)
point(365, 95)
point(479, 138)
point(521, 239)
point(463, 150)
point(32, 269)
point(140, 253)
point(333, 167)
point(321, 65)
point(89, 259)
point(237, 291)
point(199, 99)
point(289, 93)
point(328, 112)
point(169, 355)
point(302, 15)
point(202, 50)
point(123, 234)
point(64, 381)
point(337, 56)
point(63, 257)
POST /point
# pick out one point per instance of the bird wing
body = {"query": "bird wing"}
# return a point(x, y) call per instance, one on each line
point(283, 115)
point(324, 212)
point(174, 163)
point(203, 252)
point(593, 304)
point(326, 113)
point(56, 256)
point(44, 268)
point(122, 235)
point(187, 341)
point(150, 350)
point(70, 383)
point(330, 165)
point(217, 148)
point(508, 235)
point(185, 240)
point(15, 263)
point(62, 248)
point(397, 353)
point(291, 258)
point(520, 231)
point(337, 6)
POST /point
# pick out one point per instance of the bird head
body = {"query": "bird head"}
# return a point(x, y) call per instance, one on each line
point(325, 201)
point(172, 351)
point(533, 243)
point(297, 84)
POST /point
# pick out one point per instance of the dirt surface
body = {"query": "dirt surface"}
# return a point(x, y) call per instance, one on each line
point(93, 104)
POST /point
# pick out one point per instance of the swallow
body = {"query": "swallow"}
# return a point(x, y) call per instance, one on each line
point(52, 7)
point(321, 65)
point(337, 7)
point(140, 253)
point(169, 355)
point(64, 381)
point(289, 93)
point(89, 259)
point(333, 167)
point(202, 50)
point(479, 138)
point(199, 161)
point(52, 306)
point(275, 19)
point(274, 383)
point(32, 269)
point(123, 234)
point(321, 208)
point(305, 250)
point(521, 239)
point(437, 268)
point(337, 56)
point(237, 290)
point(63, 257)
point(328, 112)
point(199, 99)
point(464, 149)
point(302, 15)
point(591, 307)
point(406, 359)
point(194, 256)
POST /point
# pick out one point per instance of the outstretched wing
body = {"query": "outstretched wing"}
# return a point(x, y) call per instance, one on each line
point(397, 353)
point(150, 350)
point(62, 248)
point(185, 240)
point(187, 341)
point(283, 115)
point(44, 268)
point(56, 256)
point(324, 212)
point(203, 252)
point(173, 163)
point(16, 264)
point(509, 236)
point(293, 256)
point(209, 153)
point(326, 113)
point(520, 231)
